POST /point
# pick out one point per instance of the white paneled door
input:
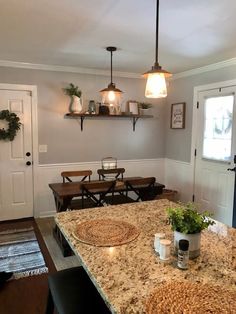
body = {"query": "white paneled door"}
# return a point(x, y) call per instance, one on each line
point(16, 175)
point(215, 149)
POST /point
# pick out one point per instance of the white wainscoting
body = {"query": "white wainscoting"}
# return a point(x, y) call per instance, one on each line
point(44, 201)
point(178, 176)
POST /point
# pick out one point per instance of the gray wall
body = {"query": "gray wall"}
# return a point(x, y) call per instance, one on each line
point(101, 137)
point(178, 142)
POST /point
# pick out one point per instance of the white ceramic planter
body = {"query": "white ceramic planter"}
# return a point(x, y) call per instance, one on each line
point(194, 243)
point(144, 112)
point(75, 105)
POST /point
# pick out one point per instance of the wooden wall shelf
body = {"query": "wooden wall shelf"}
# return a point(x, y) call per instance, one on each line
point(82, 116)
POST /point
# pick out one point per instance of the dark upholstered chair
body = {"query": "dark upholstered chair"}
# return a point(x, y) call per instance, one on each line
point(72, 292)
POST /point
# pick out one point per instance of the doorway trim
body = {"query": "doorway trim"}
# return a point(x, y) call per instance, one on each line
point(34, 105)
point(196, 91)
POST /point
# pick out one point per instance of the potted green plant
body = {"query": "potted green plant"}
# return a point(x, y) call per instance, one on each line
point(187, 223)
point(75, 95)
point(144, 107)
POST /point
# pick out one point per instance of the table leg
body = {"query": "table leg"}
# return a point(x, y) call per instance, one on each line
point(61, 241)
point(62, 203)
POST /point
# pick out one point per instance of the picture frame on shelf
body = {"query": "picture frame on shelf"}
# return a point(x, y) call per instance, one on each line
point(133, 107)
point(177, 119)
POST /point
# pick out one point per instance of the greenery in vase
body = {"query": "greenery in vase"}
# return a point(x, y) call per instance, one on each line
point(186, 219)
point(144, 105)
point(72, 90)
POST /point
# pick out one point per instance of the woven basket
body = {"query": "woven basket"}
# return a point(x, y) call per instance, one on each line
point(170, 195)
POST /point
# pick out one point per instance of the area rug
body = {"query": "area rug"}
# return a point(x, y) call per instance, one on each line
point(106, 232)
point(20, 253)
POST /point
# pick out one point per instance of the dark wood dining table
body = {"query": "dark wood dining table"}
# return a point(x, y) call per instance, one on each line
point(65, 192)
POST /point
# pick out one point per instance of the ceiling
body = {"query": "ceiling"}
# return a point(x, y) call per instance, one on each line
point(75, 33)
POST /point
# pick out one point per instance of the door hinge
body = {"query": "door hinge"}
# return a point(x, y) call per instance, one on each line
point(195, 152)
point(193, 198)
point(197, 104)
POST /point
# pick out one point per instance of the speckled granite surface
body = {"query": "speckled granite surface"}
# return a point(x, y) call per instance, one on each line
point(125, 275)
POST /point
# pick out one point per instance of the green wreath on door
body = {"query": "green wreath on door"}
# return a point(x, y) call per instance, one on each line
point(14, 125)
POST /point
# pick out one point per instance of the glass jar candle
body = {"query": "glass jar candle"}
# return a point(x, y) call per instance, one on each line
point(109, 163)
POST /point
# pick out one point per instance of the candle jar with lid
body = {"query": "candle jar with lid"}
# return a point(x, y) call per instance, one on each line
point(109, 163)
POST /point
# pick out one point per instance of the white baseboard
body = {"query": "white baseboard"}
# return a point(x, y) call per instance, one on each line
point(50, 173)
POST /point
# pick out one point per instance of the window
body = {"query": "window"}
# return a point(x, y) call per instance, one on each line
point(218, 128)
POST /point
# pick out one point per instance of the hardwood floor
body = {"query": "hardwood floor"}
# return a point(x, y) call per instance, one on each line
point(26, 295)
point(29, 295)
point(46, 226)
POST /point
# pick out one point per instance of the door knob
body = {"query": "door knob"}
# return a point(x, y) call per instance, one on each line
point(28, 154)
point(28, 163)
point(232, 169)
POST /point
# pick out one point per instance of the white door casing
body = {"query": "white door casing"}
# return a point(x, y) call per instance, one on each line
point(16, 178)
point(213, 184)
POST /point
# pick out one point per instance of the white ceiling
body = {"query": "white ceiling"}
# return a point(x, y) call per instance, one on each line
point(193, 33)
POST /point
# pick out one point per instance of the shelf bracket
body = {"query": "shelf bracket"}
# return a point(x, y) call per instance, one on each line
point(82, 122)
point(135, 119)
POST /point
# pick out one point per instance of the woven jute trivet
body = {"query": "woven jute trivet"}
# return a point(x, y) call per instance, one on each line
point(191, 298)
point(106, 232)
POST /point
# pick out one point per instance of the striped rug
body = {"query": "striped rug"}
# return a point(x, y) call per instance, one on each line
point(20, 253)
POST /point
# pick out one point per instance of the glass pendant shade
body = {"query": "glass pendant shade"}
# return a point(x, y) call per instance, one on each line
point(156, 77)
point(111, 95)
point(156, 86)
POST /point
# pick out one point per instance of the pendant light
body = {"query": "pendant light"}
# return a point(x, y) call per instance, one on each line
point(156, 77)
point(111, 95)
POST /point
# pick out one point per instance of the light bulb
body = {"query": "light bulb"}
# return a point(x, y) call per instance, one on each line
point(111, 95)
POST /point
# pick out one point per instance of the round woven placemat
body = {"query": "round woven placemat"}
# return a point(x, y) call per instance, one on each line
point(106, 232)
point(191, 298)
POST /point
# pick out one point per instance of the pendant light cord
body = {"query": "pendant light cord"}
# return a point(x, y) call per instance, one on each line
point(157, 31)
point(111, 67)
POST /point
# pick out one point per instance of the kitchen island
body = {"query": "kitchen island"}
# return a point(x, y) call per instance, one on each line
point(127, 274)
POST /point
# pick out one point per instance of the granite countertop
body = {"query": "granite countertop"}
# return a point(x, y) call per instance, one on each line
point(126, 275)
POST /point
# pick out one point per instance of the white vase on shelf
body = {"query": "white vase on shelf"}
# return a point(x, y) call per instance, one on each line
point(144, 112)
point(75, 104)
